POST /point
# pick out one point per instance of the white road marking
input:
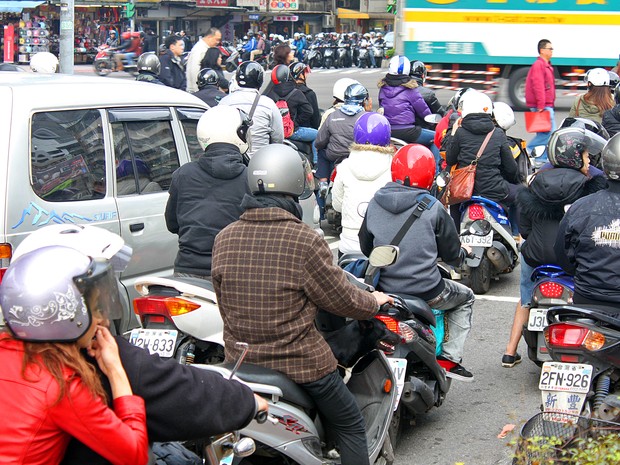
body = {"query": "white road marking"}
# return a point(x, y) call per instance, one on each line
point(497, 298)
point(372, 71)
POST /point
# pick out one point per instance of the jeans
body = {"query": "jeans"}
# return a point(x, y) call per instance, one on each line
point(324, 166)
point(526, 285)
point(542, 138)
point(306, 135)
point(457, 300)
point(129, 57)
point(342, 417)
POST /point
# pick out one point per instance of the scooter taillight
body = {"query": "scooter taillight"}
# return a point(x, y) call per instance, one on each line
point(397, 327)
point(476, 212)
point(551, 290)
point(167, 306)
point(390, 322)
point(564, 335)
point(552, 293)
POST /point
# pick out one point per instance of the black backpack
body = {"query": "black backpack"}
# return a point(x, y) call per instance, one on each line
point(519, 152)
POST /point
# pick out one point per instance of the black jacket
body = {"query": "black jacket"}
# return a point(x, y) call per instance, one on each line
point(588, 244)
point(433, 104)
point(301, 110)
point(182, 402)
point(211, 95)
point(205, 196)
point(541, 208)
point(313, 101)
point(496, 167)
point(431, 236)
point(145, 76)
point(611, 120)
point(172, 73)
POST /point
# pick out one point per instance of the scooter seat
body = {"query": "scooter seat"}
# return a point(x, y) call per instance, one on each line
point(205, 284)
point(291, 391)
point(420, 309)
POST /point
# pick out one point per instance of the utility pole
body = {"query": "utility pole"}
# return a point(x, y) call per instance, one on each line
point(132, 22)
point(67, 14)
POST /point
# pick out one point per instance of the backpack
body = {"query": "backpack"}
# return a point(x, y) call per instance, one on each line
point(287, 121)
point(520, 155)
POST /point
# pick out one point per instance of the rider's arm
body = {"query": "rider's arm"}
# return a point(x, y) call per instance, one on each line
point(447, 238)
point(171, 207)
point(322, 137)
point(367, 240)
point(564, 247)
point(508, 167)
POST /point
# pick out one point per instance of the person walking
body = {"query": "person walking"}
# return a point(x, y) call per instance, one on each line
point(211, 38)
point(540, 92)
point(172, 73)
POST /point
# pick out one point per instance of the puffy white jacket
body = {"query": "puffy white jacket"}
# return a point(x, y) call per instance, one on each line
point(364, 172)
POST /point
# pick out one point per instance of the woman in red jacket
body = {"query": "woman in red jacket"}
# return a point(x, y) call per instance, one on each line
point(54, 301)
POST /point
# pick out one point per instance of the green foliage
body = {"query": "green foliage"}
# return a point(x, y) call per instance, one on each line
point(389, 53)
point(540, 450)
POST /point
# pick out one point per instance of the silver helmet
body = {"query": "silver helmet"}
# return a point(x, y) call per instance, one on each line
point(610, 157)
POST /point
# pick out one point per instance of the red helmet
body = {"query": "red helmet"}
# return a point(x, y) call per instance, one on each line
point(414, 166)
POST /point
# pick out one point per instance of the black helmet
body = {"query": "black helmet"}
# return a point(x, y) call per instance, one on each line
point(617, 94)
point(567, 145)
point(592, 126)
point(207, 77)
point(611, 158)
point(355, 94)
point(149, 62)
point(249, 74)
point(418, 71)
point(281, 74)
point(298, 69)
point(614, 79)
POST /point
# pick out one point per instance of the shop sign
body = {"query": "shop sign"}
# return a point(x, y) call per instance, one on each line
point(9, 43)
point(248, 3)
point(286, 18)
point(276, 5)
point(254, 17)
point(211, 3)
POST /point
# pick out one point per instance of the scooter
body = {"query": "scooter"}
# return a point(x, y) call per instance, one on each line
point(329, 56)
point(105, 63)
point(314, 57)
point(230, 56)
point(343, 56)
point(379, 51)
point(363, 58)
point(496, 252)
point(553, 286)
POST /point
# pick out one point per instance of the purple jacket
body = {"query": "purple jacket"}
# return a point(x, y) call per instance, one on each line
point(401, 101)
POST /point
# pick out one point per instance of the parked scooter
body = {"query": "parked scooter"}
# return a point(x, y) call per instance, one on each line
point(496, 252)
point(314, 57)
point(363, 58)
point(329, 57)
point(379, 51)
point(105, 62)
point(343, 56)
point(231, 58)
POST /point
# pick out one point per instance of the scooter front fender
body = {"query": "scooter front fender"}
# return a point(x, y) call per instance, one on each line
point(475, 262)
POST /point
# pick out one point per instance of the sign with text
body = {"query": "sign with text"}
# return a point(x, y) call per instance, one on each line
point(286, 18)
point(279, 6)
point(202, 3)
point(246, 3)
point(254, 17)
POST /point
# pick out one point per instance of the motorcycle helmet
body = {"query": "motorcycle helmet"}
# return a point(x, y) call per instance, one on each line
point(399, 65)
point(356, 94)
point(614, 79)
point(476, 102)
point(149, 62)
point(276, 169)
point(372, 128)
point(456, 100)
point(207, 77)
point(567, 145)
point(49, 294)
point(340, 86)
point(414, 165)
point(250, 34)
point(298, 69)
point(610, 157)
point(280, 74)
point(597, 77)
point(44, 62)
point(223, 124)
point(418, 71)
point(503, 115)
point(249, 74)
point(585, 123)
point(617, 94)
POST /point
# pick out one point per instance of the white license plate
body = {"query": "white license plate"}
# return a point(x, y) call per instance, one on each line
point(156, 341)
point(568, 377)
point(537, 320)
point(478, 241)
point(399, 368)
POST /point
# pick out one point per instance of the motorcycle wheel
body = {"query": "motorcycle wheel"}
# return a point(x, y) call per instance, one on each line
point(481, 276)
point(100, 68)
point(328, 63)
point(396, 426)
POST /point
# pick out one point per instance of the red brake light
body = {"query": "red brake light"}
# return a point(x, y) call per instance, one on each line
point(551, 290)
point(390, 322)
point(167, 306)
point(2, 271)
point(476, 212)
point(565, 335)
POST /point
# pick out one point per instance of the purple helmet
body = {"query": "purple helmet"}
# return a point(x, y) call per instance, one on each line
point(372, 128)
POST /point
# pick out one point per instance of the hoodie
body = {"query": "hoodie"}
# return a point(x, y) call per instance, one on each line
point(205, 196)
point(367, 169)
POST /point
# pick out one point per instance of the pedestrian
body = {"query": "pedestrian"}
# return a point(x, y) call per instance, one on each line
point(597, 100)
point(150, 42)
point(172, 73)
point(211, 38)
point(186, 40)
point(540, 93)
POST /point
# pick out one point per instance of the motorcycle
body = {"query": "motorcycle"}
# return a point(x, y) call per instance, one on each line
point(496, 252)
point(105, 63)
point(230, 56)
point(329, 57)
point(343, 56)
point(553, 286)
point(363, 59)
point(379, 51)
point(314, 57)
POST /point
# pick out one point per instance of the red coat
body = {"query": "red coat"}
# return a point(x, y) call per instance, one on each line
point(540, 85)
point(35, 431)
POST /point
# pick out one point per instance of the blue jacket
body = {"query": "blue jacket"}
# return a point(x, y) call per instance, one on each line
point(251, 45)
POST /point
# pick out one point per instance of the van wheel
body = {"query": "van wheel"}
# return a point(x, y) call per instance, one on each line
point(480, 277)
point(516, 88)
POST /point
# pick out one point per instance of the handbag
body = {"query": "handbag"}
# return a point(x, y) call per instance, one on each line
point(538, 121)
point(461, 185)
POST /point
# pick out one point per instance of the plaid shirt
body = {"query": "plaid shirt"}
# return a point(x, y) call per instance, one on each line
point(271, 273)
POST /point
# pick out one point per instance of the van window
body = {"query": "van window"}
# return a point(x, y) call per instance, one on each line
point(189, 120)
point(67, 155)
point(146, 156)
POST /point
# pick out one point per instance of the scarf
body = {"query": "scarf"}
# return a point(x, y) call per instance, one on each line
point(285, 202)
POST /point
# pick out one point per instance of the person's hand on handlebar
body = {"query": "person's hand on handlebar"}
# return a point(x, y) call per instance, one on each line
point(382, 298)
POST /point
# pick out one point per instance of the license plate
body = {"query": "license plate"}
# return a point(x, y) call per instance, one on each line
point(567, 377)
point(156, 341)
point(399, 368)
point(478, 241)
point(537, 320)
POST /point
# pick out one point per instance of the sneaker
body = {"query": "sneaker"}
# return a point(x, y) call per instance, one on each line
point(455, 370)
point(508, 361)
point(323, 189)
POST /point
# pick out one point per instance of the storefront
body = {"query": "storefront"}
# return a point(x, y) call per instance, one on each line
point(23, 32)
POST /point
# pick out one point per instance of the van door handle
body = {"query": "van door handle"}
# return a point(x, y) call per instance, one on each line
point(136, 227)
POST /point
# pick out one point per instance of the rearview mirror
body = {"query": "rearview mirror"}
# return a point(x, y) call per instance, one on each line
point(480, 228)
point(443, 179)
point(384, 255)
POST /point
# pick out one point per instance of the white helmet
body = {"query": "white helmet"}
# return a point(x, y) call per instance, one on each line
point(44, 62)
point(597, 77)
point(476, 102)
point(340, 86)
point(399, 65)
point(504, 116)
point(224, 124)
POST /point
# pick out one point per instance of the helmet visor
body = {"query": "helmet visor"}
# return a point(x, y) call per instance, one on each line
point(99, 288)
point(309, 184)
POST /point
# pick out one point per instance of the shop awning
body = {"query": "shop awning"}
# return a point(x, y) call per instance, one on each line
point(344, 13)
point(16, 6)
